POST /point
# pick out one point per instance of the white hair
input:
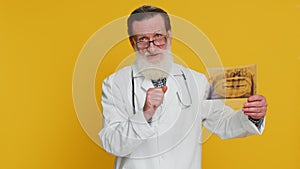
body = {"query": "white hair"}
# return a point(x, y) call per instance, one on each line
point(155, 68)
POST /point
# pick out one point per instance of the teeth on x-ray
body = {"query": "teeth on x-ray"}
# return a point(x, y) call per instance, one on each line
point(233, 82)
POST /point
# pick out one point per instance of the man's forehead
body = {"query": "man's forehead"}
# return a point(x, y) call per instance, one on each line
point(150, 25)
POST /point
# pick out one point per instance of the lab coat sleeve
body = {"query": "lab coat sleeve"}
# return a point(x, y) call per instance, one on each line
point(226, 122)
point(123, 132)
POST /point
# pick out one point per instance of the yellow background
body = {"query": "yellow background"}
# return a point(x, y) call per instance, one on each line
point(41, 40)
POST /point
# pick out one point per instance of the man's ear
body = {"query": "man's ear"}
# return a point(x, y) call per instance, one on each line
point(170, 36)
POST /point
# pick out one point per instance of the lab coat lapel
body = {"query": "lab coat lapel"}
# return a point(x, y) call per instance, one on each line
point(146, 84)
point(140, 79)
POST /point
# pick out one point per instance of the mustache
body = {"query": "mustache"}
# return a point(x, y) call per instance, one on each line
point(158, 51)
point(153, 53)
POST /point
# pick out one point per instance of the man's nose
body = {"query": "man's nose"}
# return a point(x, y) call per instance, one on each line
point(152, 47)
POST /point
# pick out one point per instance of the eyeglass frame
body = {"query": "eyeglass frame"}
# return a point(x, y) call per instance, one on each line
point(165, 37)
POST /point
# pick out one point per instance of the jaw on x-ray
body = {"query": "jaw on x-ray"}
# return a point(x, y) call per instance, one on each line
point(232, 82)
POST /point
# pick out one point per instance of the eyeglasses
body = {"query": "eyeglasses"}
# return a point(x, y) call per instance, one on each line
point(143, 42)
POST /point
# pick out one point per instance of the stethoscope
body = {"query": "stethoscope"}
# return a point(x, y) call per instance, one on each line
point(179, 95)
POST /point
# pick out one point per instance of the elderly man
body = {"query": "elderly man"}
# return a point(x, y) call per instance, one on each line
point(154, 109)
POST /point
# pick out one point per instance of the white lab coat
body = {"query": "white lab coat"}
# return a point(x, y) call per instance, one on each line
point(173, 139)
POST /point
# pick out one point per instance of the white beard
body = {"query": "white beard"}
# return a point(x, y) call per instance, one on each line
point(156, 69)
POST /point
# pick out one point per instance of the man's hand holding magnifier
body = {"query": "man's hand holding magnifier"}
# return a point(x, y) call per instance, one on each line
point(154, 99)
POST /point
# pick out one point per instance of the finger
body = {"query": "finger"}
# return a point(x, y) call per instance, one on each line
point(156, 95)
point(251, 110)
point(256, 98)
point(255, 115)
point(254, 110)
point(154, 91)
point(254, 104)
